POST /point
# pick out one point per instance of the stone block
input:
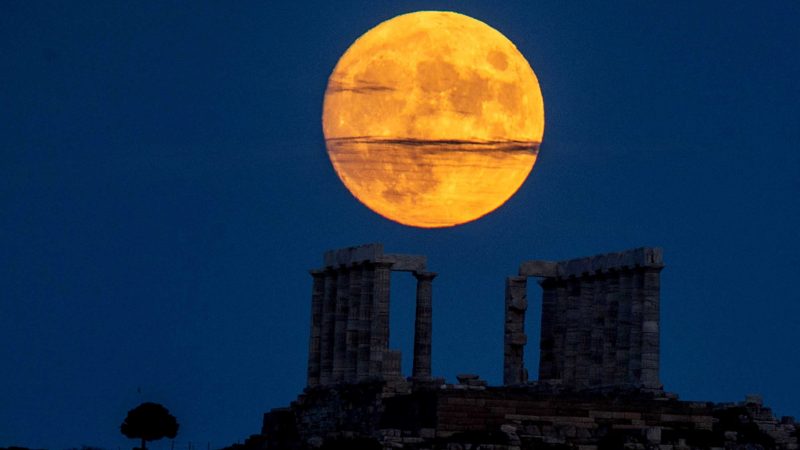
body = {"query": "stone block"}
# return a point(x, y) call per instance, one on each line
point(754, 399)
point(405, 263)
point(517, 338)
point(538, 268)
point(350, 255)
point(653, 435)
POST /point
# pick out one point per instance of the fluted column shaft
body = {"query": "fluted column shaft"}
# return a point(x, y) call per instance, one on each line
point(352, 327)
point(328, 328)
point(340, 325)
point(650, 328)
point(423, 326)
point(514, 338)
point(379, 333)
point(315, 336)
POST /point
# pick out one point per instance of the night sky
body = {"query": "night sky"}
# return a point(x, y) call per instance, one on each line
point(164, 188)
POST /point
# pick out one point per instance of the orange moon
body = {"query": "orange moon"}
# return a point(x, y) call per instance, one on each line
point(433, 119)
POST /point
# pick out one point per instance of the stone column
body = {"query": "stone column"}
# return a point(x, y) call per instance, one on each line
point(352, 327)
point(560, 328)
point(514, 338)
point(650, 328)
point(340, 325)
point(547, 343)
point(583, 360)
point(364, 324)
point(624, 328)
point(599, 311)
point(610, 324)
point(572, 339)
point(328, 325)
point(423, 326)
point(637, 303)
point(379, 332)
point(314, 342)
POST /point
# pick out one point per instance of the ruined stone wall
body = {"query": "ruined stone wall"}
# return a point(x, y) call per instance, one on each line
point(349, 333)
point(600, 320)
point(457, 417)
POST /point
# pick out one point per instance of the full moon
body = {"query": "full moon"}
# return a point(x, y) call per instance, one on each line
point(433, 119)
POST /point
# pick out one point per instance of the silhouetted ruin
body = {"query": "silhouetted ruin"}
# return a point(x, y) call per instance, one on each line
point(600, 320)
point(598, 385)
point(350, 317)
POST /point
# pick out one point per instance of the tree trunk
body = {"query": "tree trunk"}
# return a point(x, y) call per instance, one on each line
point(143, 444)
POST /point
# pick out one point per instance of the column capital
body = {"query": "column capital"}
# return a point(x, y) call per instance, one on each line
point(425, 276)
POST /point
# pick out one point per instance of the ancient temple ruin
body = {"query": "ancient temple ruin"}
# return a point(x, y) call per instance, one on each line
point(598, 385)
point(600, 320)
point(349, 339)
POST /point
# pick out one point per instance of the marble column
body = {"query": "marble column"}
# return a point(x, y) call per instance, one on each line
point(637, 303)
point(583, 359)
point(514, 338)
point(328, 328)
point(572, 338)
point(599, 312)
point(610, 322)
point(340, 325)
point(423, 324)
point(547, 342)
point(560, 328)
point(314, 342)
point(379, 332)
point(352, 327)
point(624, 328)
point(650, 328)
point(364, 324)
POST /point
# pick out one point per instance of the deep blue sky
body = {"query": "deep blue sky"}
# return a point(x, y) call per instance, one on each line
point(164, 187)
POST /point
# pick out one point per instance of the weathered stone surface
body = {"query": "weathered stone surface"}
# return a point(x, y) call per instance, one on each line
point(514, 333)
point(506, 418)
point(404, 263)
point(353, 255)
point(600, 319)
point(349, 333)
point(599, 363)
point(423, 326)
point(538, 268)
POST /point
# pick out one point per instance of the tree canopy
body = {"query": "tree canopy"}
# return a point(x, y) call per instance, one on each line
point(149, 422)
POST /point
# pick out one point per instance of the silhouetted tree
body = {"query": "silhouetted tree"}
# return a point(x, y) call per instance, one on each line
point(149, 422)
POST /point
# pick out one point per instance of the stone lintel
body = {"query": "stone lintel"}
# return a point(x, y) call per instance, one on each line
point(373, 253)
point(538, 268)
point(405, 263)
point(651, 257)
point(353, 255)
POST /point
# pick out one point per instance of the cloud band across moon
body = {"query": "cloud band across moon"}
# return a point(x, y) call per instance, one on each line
point(510, 146)
point(431, 183)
